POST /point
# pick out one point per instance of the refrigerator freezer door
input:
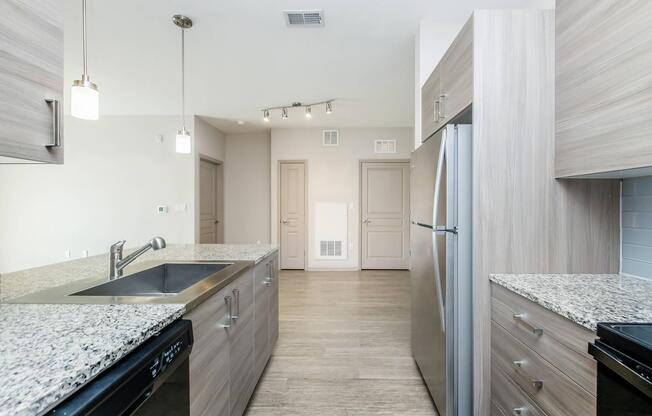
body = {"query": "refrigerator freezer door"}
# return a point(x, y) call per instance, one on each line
point(424, 164)
point(428, 336)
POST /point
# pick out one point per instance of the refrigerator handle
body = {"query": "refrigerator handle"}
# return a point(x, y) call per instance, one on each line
point(435, 210)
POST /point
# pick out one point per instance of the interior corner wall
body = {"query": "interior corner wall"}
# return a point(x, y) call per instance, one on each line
point(208, 141)
point(116, 172)
point(246, 188)
point(333, 175)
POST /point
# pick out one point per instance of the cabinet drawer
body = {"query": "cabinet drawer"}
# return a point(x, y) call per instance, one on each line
point(554, 392)
point(558, 340)
point(430, 93)
point(508, 399)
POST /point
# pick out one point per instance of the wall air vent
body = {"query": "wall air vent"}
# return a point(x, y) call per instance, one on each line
point(385, 146)
point(330, 248)
point(304, 18)
point(330, 138)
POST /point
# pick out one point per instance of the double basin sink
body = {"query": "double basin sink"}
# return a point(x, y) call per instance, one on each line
point(150, 282)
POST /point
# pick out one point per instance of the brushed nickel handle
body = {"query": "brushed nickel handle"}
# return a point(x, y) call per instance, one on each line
point(56, 122)
point(228, 319)
point(366, 221)
point(436, 111)
point(519, 411)
point(521, 317)
point(284, 221)
point(442, 106)
point(536, 383)
point(236, 298)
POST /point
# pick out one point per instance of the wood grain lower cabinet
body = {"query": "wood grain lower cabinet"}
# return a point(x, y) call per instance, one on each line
point(31, 81)
point(538, 360)
point(210, 358)
point(241, 343)
point(229, 355)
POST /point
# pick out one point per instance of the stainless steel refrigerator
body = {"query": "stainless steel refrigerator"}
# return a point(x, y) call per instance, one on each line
point(441, 250)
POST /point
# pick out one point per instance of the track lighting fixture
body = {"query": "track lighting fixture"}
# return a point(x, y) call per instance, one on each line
point(307, 109)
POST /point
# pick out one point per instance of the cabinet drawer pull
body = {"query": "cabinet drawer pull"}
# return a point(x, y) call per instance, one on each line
point(519, 411)
point(536, 383)
point(236, 300)
point(521, 318)
point(228, 319)
point(56, 122)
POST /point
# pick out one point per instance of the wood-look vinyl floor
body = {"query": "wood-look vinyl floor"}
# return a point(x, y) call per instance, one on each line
point(343, 348)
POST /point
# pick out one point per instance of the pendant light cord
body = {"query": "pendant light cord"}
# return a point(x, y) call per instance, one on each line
point(84, 42)
point(183, 80)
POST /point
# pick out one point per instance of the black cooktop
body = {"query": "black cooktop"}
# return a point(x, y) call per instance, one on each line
point(632, 339)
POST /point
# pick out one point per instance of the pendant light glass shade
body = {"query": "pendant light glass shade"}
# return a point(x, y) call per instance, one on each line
point(183, 141)
point(84, 95)
point(84, 100)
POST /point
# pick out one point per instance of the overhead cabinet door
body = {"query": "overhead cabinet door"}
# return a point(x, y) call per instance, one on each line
point(603, 86)
point(457, 75)
point(430, 94)
point(31, 81)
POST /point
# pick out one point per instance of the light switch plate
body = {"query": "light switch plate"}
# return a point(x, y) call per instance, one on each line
point(161, 209)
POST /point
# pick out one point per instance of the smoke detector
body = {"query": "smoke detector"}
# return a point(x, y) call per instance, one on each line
point(304, 18)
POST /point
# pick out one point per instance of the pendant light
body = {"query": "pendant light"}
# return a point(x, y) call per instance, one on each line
point(183, 136)
point(84, 95)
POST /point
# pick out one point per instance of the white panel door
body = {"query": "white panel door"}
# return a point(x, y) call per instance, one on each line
point(385, 215)
point(293, 239)
point(211, 227)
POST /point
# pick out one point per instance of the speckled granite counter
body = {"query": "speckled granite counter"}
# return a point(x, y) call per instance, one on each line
point(48, 351)
point(585, 298)
point(17, 284)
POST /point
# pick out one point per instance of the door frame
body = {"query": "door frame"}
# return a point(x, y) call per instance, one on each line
point(220, 165)
point(306, 222)
point(360, 163)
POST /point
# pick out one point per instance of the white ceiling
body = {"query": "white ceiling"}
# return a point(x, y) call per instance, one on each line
point(241, 57)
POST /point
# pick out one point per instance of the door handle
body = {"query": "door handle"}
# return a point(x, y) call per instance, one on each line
point(56, 122)
point(284, 221)
point(522, 318)
point(435, 115)
point(442, 230)
point(366, 221)
point(536, 383)
point(442, 107)
point(435, 248)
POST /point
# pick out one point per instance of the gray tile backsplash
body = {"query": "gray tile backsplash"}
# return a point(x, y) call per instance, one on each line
point(637, 226)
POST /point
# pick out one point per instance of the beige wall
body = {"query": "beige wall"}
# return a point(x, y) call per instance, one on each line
point(246, 186)
point(333, 175)
point(115, 174)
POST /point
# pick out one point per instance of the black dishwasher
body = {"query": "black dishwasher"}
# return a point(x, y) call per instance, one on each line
point(151, 380)
point(624, 356)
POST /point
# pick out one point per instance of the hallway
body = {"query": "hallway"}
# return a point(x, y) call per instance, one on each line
point(343, 349)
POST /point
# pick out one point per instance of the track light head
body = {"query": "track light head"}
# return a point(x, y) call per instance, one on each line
point(308, 112)
point(284, 113)
point(266, 116)
point(329, 108)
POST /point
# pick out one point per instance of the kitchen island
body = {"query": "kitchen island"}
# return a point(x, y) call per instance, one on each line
point(49, 351)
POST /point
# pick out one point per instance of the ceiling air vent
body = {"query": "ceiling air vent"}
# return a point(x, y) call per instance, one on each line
point(304, 18)
point(331, 138)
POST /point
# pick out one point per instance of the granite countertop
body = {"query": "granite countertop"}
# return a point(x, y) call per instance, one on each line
point(48, 351)
point(585, 298)
point(21, 283)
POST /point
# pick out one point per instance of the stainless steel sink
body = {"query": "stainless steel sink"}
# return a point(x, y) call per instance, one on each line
point(167, 279)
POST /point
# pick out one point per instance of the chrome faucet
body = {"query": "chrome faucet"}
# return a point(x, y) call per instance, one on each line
point(117, 263)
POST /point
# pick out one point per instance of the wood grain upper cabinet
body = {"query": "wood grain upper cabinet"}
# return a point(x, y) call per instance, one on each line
point(456, 84)
point(603, 86)
point(430, 93)
point(31, 81)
